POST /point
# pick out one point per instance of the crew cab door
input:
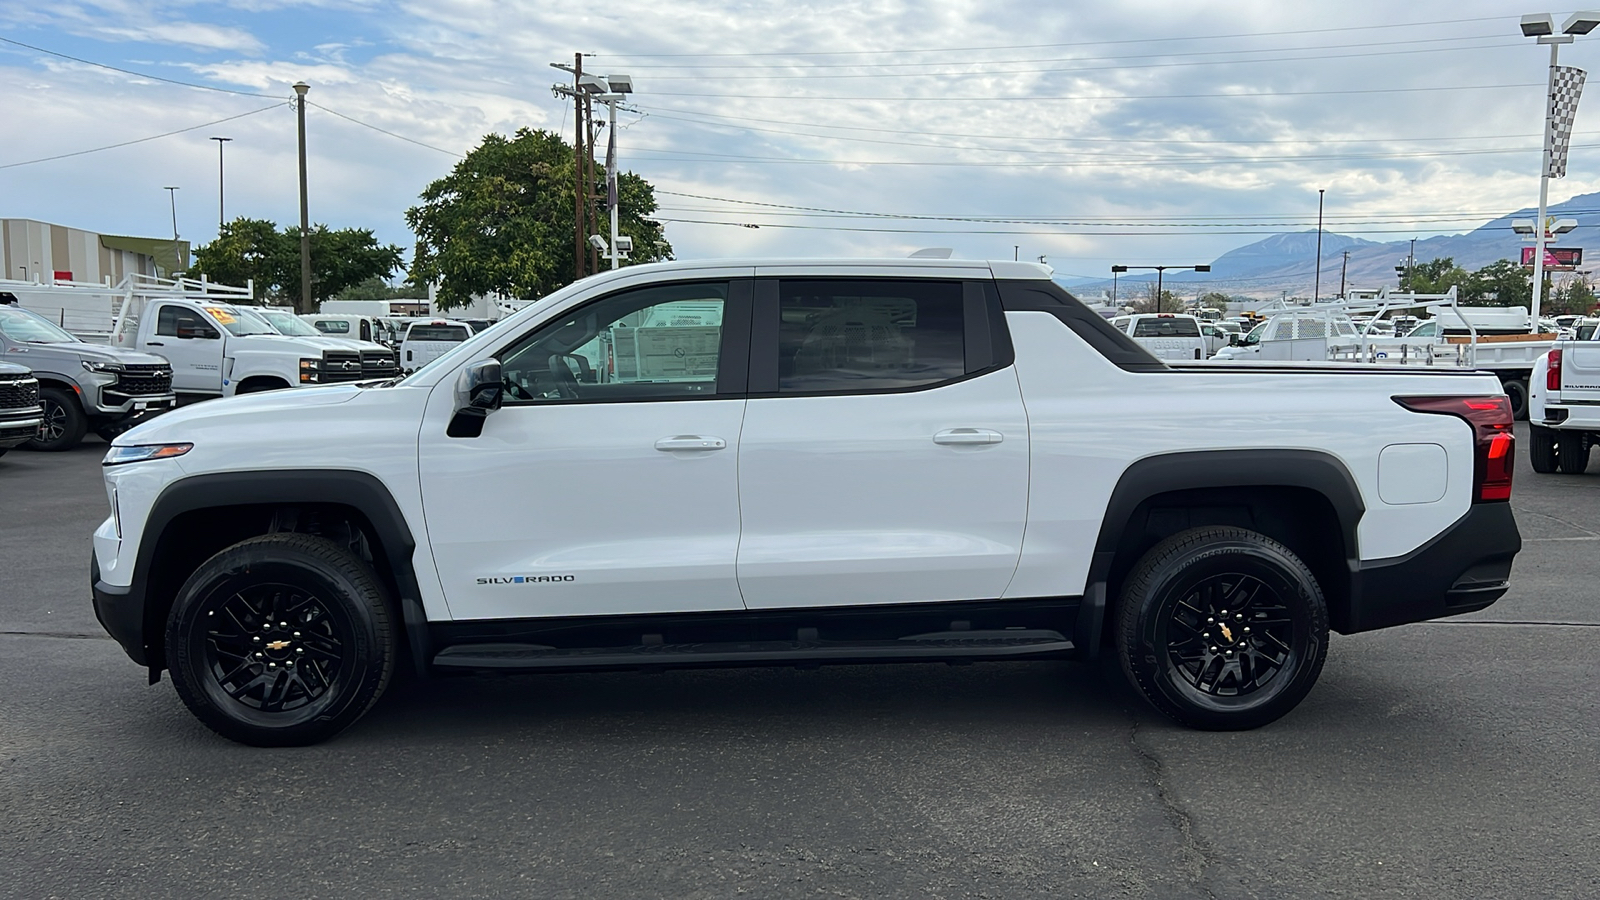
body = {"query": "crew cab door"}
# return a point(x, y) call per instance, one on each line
point(191, 343)
point(607, 483)
point(885, 449)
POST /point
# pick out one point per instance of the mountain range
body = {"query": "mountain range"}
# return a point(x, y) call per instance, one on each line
point(1286, 262)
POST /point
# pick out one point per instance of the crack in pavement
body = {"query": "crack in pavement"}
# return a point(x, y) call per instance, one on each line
point(1196, 853)
point(1574, 525)
point(72, 635)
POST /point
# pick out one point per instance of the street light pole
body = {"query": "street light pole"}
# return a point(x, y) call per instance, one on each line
point(1316, 287)
point(172, 195)
point(300, 89)
point(221, 215)
point(1542, 28)
point(1160, 271)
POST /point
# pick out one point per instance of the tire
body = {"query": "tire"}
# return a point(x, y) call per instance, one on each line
point(1572, 452)
point(318, 668)
point(1517, 392)
point(64, 421)
point(1172, 610)
point(1542, 449)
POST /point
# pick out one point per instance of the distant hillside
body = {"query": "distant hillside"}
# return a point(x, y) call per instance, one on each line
point(1285, 262)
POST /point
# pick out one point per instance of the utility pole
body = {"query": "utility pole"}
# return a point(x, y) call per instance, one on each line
point(590, 212)
point(172, 194)
point(300, 89)
point(221, 215)
point(1316, 286)
point(1343, 267)
point(580, 184)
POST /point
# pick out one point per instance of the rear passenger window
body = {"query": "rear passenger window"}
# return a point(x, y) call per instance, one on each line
point(866, 335)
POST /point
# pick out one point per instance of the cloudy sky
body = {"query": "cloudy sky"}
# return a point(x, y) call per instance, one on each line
point(1143, 131)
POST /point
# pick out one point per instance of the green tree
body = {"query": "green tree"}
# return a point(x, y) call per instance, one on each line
point(1436, 276)
point(1500, 283)
point(1215, 300)
point(1573, 296)
point(375, 288)
point(501, 221)
point(1152, 302)
point(255, 249)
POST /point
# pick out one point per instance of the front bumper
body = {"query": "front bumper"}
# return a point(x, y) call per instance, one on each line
point(121, 613)
point(19, 429)
point(1462, 570)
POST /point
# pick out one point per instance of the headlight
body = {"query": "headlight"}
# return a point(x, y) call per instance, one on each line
point(141, 452)
point(309, 369)
point(103, 367)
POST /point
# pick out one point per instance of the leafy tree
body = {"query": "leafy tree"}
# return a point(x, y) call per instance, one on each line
point(1151, 302)
point(1215, 300)
point(1436, 276)
point(1500, 283)
point(255, 249)
point(501, 221)
point(1573, 296)
point(375, 288)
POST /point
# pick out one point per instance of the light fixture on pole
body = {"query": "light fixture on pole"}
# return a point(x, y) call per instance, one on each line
point(221, 214)
point(1160, 271)
point(1316, 287)
point(172, 195)
point(1564, 86)
point(618, 87)
point(1115, 271)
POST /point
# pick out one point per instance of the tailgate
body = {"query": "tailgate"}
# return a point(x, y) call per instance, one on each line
point(1580, 371)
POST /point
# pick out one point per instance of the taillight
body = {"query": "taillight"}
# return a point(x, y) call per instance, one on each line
point(1552, 375)
point(1494, 446)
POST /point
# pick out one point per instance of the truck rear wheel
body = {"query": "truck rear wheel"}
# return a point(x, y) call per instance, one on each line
point(280, 640)
point(1542, 449)
point(64, 421)
point(1517, 392)
point(1572, 452)
point(1222, 628)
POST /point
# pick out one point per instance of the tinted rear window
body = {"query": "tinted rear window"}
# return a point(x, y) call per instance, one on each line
point(1166, 328)
point(437, 333)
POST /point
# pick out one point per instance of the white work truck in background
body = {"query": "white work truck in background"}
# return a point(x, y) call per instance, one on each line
point(1168, 336)
point(218, 349)
point(428, 339)
point(812, 462)
point(1564, 407)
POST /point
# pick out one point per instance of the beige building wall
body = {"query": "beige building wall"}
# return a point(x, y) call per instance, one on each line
point(31, 250)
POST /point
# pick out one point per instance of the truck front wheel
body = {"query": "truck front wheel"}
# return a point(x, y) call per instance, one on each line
point(1222, 628)
point(280, 640)
point(1517, 392)
point(64, 421)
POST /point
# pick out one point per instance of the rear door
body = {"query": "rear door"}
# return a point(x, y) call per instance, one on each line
point(884, 457)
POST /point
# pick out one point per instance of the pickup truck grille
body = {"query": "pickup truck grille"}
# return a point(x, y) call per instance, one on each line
point(144, 381)
point(340, 365)
point(379, 364)
point(19, 394)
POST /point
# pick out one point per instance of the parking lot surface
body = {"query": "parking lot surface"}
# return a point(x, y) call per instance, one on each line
point(1452, 758)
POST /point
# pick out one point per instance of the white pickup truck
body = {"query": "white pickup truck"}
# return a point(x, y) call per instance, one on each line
point(1167, 336)
point(428, 339)
point(219, 350)
point(797, 463)
point(1564, 406)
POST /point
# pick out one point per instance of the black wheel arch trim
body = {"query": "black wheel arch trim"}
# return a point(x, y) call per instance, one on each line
point(137, 624)
point(1201, 469)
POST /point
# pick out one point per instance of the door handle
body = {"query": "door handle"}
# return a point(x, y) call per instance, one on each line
point(691, 442)
point(154, 344)
point(968, 436)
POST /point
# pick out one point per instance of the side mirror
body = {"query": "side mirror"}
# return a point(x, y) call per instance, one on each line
point(479, 391)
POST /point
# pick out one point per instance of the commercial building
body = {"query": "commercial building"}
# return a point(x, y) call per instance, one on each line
point(31, 250)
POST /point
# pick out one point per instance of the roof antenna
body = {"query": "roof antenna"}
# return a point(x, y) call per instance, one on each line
point(933, 253)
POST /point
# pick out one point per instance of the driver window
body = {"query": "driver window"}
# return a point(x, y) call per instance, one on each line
point(656, 343)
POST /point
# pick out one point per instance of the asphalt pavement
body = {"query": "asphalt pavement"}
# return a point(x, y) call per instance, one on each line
point(1447, 759)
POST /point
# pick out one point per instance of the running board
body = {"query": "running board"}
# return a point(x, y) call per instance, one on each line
point(930, 647)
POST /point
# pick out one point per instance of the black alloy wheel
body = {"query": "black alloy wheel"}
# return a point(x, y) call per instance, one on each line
point(1222, 628)
point(281, 640)
point(64, 422)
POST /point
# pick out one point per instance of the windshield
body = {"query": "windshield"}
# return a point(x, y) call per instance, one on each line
point(289, 323)
point(1426, 329)
point(28, 328)
point(1586, 332)
point(240, 321)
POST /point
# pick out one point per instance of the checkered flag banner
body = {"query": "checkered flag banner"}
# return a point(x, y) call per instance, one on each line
point(1566, 84)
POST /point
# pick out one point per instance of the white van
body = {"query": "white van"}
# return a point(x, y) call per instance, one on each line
point(1173, 336)
point(345, 325)
point(428, 339)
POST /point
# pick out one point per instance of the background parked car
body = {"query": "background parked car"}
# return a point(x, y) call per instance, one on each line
point(20, 414)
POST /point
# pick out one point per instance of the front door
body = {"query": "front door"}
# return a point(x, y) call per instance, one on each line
point(192, 345)
point(885, 448)
point(608, 481)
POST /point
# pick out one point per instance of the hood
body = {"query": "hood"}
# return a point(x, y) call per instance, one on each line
point(81, 350)
point(343, 343)
point(174, 425)
point(320, 343)
point(277, 343)
point(9, 369)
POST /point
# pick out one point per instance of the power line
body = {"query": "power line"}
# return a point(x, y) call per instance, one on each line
point(1067, 70)
point(386, 131)
point(154, 137)
point(860, 229)
point(1079, 222)
point(90, 62)
point(1142, 40)
point(1214, 95)
point(656, 112)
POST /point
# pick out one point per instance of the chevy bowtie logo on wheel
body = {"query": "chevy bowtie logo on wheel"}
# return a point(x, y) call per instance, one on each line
point(527, 579)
